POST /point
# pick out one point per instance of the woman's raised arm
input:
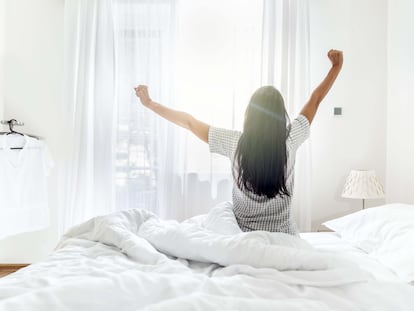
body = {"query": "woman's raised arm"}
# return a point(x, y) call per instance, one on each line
point(183, 119)
point(310, 108)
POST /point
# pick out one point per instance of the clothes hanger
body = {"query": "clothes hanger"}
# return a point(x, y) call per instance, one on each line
point(11, 124)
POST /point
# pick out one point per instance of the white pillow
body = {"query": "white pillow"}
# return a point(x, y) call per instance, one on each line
point(385, 232)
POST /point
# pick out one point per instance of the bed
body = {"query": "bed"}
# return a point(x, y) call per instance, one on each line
point(132, 260)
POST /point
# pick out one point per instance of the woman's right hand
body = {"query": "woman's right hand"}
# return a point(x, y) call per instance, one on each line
point(142, 93)
point(336, 58)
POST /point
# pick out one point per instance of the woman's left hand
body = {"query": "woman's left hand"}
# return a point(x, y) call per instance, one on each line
point(336, 57)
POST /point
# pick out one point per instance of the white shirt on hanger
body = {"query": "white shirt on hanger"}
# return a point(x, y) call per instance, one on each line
point(23, 184)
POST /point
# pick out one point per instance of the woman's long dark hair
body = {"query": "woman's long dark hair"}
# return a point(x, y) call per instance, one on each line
point(260, 158)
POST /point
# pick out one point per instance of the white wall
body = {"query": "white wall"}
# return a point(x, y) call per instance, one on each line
point(33, 95)
point(355, 140)
point(400, 112)
point(2, 47)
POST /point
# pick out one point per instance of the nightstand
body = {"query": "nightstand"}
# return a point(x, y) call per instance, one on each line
point(6, 269)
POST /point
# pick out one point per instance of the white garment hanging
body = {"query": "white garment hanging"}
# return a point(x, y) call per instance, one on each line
point(23, 184)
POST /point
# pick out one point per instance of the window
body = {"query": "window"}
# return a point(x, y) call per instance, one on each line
point(209, 52)
point(141, 30)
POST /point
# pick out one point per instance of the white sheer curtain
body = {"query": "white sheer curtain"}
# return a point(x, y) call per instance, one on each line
point(218, 52)
point(86, 184)
point(116, 150)
point(204, 57)
point(285, 64)
point(144, 45)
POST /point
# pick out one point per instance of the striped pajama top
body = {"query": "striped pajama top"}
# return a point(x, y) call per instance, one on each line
point(254, 212)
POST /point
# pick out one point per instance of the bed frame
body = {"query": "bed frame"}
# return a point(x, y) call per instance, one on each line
point(6, 269)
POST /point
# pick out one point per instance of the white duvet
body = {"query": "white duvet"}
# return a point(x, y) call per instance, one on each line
point(132, 260)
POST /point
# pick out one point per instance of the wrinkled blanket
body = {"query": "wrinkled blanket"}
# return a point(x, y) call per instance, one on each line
point(133, 260)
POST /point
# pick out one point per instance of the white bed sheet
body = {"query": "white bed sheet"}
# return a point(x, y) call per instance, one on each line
point(331, 242)
point(128, 261)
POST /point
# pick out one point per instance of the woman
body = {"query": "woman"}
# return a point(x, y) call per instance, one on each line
point(263, 155)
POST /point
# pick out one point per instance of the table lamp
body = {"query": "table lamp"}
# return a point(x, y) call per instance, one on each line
point(362, 184)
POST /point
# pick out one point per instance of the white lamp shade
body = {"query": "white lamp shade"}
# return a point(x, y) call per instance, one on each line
point(362, 185)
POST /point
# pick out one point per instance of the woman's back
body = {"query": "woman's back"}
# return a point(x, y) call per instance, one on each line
point(259, 212)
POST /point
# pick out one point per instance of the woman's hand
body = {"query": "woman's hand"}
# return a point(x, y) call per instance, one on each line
point(142, 93)
point(336, 58)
